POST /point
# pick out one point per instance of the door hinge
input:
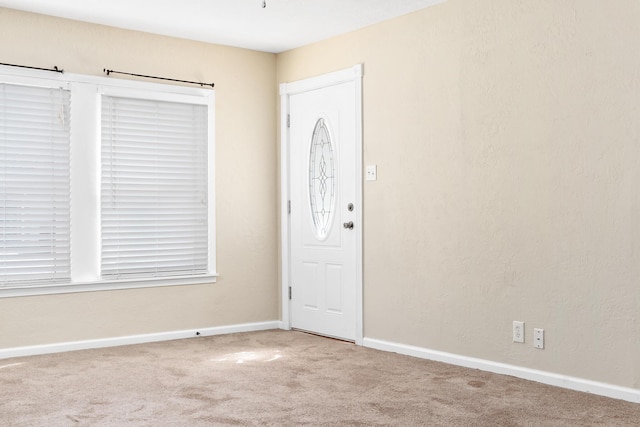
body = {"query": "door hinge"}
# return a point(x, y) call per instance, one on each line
point(288, 120)
point(289, 292)
point(289, 207)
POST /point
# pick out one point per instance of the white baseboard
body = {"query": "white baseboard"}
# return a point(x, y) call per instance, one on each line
point(572, 383)
point(135, 339)
point(283, 326)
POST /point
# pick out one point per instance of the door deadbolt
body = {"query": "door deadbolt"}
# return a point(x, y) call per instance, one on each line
point(350, 207)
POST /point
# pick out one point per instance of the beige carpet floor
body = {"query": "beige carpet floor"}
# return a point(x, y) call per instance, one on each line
point(278, 378)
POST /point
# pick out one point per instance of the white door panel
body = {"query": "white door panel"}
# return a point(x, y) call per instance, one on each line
point(322, 181)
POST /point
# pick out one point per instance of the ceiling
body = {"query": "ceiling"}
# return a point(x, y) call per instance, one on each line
point(280, 26)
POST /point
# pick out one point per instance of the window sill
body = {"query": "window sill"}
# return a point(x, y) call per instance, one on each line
point(105, 285)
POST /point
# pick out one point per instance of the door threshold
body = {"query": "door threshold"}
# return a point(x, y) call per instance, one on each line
point(324, 336)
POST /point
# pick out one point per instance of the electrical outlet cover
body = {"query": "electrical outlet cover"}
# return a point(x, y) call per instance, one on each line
point(538, 338)
point(518, 331)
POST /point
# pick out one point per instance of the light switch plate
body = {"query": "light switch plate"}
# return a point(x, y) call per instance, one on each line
point(372, 172)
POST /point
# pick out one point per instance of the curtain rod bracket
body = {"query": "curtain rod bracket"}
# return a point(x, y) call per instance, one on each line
point(108, 72)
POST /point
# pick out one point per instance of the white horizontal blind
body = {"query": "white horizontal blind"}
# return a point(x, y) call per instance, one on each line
point(34, 185)
point(153, 188)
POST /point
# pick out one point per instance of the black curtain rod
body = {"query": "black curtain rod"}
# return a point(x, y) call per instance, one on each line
point(55, 68)
point(159, 78)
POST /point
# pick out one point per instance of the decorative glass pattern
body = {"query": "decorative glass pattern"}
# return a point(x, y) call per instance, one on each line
point(322, 179)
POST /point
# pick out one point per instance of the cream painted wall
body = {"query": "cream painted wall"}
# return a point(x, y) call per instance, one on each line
point(246, 199)
point(507, 139)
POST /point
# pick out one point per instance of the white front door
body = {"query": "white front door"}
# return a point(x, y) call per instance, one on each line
point(325, 221)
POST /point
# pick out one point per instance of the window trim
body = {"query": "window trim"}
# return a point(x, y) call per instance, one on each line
point(85, 125)
point(105, 285)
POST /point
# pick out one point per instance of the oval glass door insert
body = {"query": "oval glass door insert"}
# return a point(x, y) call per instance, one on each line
point(322, 180)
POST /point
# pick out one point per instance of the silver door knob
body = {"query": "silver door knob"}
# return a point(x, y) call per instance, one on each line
point(348, 225)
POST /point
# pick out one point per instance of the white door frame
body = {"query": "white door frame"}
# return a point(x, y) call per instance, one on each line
point(352, 74)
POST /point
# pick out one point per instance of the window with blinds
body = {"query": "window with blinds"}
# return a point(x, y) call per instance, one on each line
point(154, 219)
point(34, 185)
point(104, 184)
